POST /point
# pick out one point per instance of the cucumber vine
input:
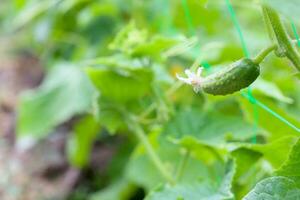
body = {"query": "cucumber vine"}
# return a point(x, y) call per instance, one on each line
point(244, 72)
point(286, 48)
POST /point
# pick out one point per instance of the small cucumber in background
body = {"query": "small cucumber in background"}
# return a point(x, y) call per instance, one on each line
point(232, 78)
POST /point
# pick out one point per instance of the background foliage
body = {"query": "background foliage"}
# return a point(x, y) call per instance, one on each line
point(109, 61)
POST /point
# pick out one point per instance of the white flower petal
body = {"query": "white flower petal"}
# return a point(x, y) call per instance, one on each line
point(199, 71)
point(190, 74)
point(185, 80)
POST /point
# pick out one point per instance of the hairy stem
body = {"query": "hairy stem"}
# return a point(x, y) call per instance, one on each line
point(261, 56)
point(140, 134)
point(285, 44)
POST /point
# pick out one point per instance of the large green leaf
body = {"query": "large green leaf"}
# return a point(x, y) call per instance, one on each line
point(271, 90)
point(292, 165)
point(275, 188)
point(275, 152)
point(210, 127)
point(121, 83)
point(65, 92)
point(195, 168)
point(278, 128)
point(201, 191)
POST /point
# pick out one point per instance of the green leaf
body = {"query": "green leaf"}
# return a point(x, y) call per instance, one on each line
point(137, 42)
point(251, 162)
point(169, 153)
point(121, 84)
point(120, 190)
point(277, 128)
point(128, 38)
point(154, 47)
point(245, 159)
point(81, 141)
point(31, 11)
point(201, 191)
point(210, 127)
point(271, 90)
point(292, 165)
point(275, 152)
point(274, 188)
point(65, 92)
point(112, 120)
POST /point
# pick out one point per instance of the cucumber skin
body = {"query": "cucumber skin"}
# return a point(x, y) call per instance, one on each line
point(233, 78)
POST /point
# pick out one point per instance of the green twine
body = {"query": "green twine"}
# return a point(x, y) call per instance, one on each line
point(188, 17)
point(247, 54)
point(238, 28)
point(295, 33)
point(269, 110)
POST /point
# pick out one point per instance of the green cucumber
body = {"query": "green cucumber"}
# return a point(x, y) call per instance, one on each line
point(231, 79)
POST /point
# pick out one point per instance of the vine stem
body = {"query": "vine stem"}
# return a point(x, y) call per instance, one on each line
point(285, 44)
point(140, 134)
point(261, 56)
point(170, 91)
point(182, 165)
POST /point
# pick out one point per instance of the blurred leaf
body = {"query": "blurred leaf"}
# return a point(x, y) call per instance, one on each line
point(31, 11)
point(120, 190)
point(292, 165)
point(271, 90)
point(269, 122)
point(201, 191)
point(154, 47)
point(210, 127)
point(112, 120)
point(245, 159)
point(119, 84)
point(65, 92)
point(277, 188)
point(137, 42)
point(275, 152)
point(128, 38)
point(195, 168)
point(81, 141)
point(289, 8)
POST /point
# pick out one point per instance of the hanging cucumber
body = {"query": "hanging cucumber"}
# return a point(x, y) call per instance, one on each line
point(231, 79)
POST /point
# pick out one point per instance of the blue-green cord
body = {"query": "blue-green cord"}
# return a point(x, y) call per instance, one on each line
point(188, 17)
point(295, 32)
point(238, 28)
point(247, 54)
point(269, 110)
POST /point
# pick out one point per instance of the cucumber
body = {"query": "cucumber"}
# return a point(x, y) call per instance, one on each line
point(231, 79)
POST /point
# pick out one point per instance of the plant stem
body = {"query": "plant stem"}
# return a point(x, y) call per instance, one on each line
point(140, 134)
point(268, 26)
point(261, 56)
point(286, 47)
point(171, 90)
point(182, 165)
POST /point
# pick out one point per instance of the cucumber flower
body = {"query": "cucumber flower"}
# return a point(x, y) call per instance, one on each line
point(193, 79)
